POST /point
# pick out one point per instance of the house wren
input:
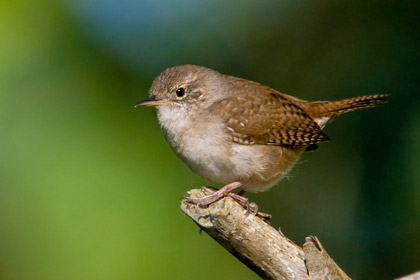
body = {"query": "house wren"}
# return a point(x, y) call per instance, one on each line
point(238, 132)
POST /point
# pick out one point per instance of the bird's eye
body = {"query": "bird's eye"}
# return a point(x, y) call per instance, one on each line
point(180, 92)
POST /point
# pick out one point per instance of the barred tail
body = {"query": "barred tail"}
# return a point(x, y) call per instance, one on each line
point(324, 111)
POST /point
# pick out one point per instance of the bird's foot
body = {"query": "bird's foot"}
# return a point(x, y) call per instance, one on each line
point(213, 195)
point(251, 207)
point(208, 190)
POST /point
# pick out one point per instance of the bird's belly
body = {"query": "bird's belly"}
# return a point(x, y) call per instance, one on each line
point(260, 167)
point(211, 163)
point(257, 167)
point(206, 155)
point(215, 157)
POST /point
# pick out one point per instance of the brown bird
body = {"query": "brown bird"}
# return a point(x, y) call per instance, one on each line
point(238, 132)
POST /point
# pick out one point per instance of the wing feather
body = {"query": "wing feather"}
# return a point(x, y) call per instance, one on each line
point(271, 120)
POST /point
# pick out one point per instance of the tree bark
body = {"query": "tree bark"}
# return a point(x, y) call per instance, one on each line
point(414, 276)
point(258, 245)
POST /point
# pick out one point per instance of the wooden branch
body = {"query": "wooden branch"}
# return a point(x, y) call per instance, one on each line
point(258, 245)
point(414, 276)
point(319, 263)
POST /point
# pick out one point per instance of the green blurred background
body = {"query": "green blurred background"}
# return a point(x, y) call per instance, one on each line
point(89, 189)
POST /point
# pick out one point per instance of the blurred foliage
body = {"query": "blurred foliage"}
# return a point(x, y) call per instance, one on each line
point(89, 189)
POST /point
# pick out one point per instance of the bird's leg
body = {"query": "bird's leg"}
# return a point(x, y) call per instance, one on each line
point(213, 195)
point(208, 190)
point(210, 198)
point(244, 202)
point(251, 207)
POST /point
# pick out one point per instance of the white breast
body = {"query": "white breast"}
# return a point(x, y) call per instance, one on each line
point(201, 146)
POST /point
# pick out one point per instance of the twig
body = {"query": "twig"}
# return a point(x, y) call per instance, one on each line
point(414, 276)
point(319, 263)
point(258, 245)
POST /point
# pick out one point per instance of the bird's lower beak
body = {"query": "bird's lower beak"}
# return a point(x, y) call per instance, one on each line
point(150, 101)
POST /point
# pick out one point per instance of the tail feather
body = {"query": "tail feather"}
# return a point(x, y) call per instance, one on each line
point(325, 111)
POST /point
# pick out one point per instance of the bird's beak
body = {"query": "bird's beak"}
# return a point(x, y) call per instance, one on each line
point(150, 101)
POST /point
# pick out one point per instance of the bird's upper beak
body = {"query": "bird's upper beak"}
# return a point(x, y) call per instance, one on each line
point(150, 101)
